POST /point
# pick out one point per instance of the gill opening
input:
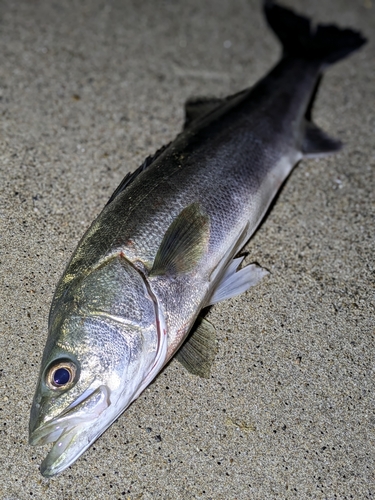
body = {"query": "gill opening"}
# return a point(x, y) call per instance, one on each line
point(161, 329)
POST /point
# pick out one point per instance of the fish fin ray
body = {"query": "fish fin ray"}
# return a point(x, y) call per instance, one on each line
point(198, 352)
point(131, 176)
point(183, 244)
point(316, 142)
point(236, 282)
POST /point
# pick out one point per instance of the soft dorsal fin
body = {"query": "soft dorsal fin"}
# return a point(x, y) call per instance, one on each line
point(201, 106)
point(198, 352)
point(196, 108)
point(183, 244)
point(129, 178)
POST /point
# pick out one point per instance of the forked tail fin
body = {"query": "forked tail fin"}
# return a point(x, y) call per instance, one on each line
point(300, 38)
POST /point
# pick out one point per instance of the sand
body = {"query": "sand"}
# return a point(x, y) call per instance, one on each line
point(88, 90)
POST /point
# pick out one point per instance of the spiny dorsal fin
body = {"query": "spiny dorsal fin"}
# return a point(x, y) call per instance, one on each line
point(198, 352)
point(129, 178)
point(183, 244)
point(316, 142)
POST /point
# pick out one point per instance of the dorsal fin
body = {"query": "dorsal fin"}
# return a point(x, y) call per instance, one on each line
point(201, 106)
point(129, 178)
point(195, 108)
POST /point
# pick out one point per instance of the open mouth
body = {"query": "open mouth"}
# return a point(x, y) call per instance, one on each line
point(73, 431)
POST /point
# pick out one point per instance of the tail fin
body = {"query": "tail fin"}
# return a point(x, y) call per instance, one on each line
point(327, 43)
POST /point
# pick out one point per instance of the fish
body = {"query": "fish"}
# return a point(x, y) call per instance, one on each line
point(166, 245)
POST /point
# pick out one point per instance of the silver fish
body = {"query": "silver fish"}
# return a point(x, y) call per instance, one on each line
point(165, 245)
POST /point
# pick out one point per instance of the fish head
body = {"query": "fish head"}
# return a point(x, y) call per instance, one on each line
point(103, 348)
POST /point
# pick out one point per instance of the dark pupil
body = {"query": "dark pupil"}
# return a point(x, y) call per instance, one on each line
point(61, 376)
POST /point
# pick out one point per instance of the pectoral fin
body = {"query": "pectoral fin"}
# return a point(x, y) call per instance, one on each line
point(198, 352)
point(235, 282)
point(183, 244)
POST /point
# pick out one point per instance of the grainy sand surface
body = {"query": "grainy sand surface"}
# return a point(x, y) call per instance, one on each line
point(88, 90)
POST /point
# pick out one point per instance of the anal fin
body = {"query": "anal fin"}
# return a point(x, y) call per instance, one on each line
point(316, 142)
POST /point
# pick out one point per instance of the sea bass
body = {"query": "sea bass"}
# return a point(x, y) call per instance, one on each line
point(165, 245)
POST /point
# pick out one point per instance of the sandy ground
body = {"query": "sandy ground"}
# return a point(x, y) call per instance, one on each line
point(88, 90)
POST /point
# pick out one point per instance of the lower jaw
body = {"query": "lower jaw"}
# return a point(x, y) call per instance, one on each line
point(57, 460)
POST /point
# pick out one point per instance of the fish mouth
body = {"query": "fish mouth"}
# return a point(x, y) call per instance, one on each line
point(72, 431)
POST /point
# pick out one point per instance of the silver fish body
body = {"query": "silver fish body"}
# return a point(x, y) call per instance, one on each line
point(163, 248)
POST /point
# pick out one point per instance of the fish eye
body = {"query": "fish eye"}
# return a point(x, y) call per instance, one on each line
point(61, 374)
